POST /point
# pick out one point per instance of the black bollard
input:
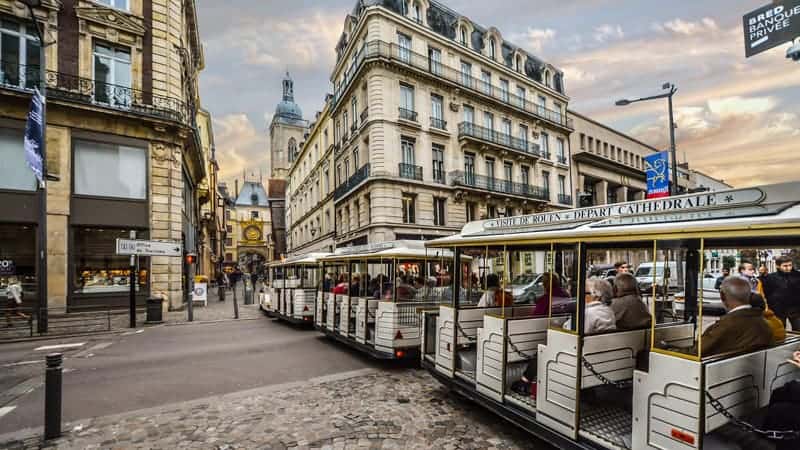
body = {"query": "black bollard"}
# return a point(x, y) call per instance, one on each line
point(235, 304)
point(52, 396)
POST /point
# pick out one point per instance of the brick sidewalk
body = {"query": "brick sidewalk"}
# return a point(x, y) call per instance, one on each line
point(368, 409)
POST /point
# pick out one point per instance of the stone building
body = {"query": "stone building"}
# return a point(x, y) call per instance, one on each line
point(122, 142)
point(212, 205)
point(249, 230)
point(437, 120)
point(286, 131)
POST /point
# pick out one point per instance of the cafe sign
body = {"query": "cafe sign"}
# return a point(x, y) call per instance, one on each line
point(7, 267)
point(682, 204)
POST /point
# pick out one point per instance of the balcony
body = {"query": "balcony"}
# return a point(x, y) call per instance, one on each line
point(484, 183)
point(379, 50)
point(73, 89)
point(439, 124)
point(410, 171)
point(565, 199)
point(356, 179)
point(484, 135)
point(407, 114)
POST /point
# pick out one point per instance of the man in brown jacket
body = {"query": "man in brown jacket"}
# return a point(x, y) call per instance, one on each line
point(742, 328)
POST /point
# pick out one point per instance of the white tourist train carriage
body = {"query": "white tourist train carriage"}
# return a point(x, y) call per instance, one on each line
point(371, 295)
point(292, 291)
point(647, 388)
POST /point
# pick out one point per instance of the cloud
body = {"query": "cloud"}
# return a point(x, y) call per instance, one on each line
point(606, 32)
point(240, 146)
point(687, 28)
point(534, 39)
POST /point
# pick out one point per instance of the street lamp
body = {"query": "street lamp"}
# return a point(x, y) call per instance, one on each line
point(41, 323)
point(671, 90)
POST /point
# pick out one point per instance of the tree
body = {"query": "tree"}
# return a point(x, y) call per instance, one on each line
point(728, 262)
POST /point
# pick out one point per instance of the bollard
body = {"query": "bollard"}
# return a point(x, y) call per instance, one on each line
point(52, 396)
point(221, 293)
point(235, 304)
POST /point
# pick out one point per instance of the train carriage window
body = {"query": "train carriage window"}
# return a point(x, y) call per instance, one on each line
point(561, 285)
point(439, 270)
point(379, 282)
point(309, 276)
point(483, 273)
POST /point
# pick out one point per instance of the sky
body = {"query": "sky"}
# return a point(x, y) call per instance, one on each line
point(737, 118)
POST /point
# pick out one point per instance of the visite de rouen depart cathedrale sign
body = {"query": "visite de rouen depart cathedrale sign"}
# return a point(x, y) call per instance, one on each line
point(770, 26)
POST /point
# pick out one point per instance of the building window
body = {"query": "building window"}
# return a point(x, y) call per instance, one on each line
point(404, 7)
point(357, 208)
point(546, 182)
point(112, 71)
point(438, 163)
point(469, 168)
point(486, 80)
point(505, 128)
point(545, 140)
point(491, 211)
point(583, 141)
point(407, 99)
point(605, 149)
point(492, 48)
point(435, 60)
point(547, 78)
point(463, 35)
point(407, 146)
point(14, 171)
point(557, 112)
point(521, 96)
point(108, 170)
point(439, 211)
point(339, 175)
point(354, 108)
point(525, 175)
point(408, 208)
point(466, 73)
point(562, 185)
point(229, 228)
point(508, 173)
point(469, 114)
point(488, 120)
point(541, 105)
point(19, 55)
point(518, 63)
point(504, 90)
point(229, 242)
point(490, 172)
point(437, 112)
point(471, 211)
point(229, 257)
point(327, 182)
point(417, 12)
point(404, 51)
point(523, 135)
point(560, 151)
point(118, 4)
point(356, 163)
point(346, 166)
point(98, 268)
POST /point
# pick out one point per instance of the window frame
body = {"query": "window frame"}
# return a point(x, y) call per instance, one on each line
point(408, 208)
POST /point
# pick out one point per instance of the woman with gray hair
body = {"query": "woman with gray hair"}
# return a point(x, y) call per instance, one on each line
point(599, 315)
point(629, 309)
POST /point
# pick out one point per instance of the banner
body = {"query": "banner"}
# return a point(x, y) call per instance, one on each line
point(770, 26)
point(34, 135)
point(656, 167)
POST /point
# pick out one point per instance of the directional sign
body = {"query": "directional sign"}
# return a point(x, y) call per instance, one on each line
point(771, 26)
point(140, 247)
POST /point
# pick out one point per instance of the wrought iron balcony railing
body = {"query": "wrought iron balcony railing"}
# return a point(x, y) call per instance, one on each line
point(364, 115)
point(491, 184)
point(438, 123)
point(467, 129)
point(565, 199)
point(407, 114)
point(70, 88)
point(354, 180)
point(410, 171)
point(375, 50)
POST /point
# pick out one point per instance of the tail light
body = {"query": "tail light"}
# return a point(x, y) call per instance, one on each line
point(399, 335)
point(399, 354)
point(682, 436)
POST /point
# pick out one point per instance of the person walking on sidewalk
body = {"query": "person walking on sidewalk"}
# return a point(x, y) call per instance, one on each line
point(780, 290)
point(14, 300)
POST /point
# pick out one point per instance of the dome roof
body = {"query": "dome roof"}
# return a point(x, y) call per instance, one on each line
point(289, 110)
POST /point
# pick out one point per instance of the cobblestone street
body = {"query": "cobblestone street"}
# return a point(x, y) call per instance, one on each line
point(392, 409)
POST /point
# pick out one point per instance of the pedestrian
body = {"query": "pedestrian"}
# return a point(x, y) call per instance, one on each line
point(781, 291)
point(748, 272)
point(726, 272)
point(14, 300)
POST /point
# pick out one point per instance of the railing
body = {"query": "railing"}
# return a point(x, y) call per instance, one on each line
point(468, 129)
point(564, 199)
point(364, 115)
point(461, 178)
point(65, 87)
point(410, 171)
point(407, 114)
point(356, 179)
point(562, 159)
point(378, 49)
point(438, 177)
point(438, 123)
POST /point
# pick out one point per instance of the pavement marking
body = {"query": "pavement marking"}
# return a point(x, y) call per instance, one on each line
point(23, 388)
point(22, 363)
point(59, 346)
point(132, 332)
point(89, 352)
point(6, 409)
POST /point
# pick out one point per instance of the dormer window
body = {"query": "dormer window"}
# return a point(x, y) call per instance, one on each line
point(492, 48)
point(547, 80)
point(417, 13)
point(463, 36)
point(404, 8)
point(518, 63)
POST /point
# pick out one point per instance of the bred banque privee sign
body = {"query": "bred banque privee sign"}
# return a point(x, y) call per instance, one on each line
point(770, 26)
point(685, 203)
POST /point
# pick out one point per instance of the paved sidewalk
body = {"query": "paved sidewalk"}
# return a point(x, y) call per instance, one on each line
point(368, 409)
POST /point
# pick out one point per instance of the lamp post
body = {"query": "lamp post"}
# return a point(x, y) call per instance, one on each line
point(41, 323)
point(671, 90)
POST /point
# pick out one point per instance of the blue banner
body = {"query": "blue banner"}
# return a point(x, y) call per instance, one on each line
point(34, 135)
point(656, 167)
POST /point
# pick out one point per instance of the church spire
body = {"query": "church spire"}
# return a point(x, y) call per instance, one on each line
point(288, 88)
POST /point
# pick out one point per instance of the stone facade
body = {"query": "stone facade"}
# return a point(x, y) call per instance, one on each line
point(152, 109)
point(249, 237)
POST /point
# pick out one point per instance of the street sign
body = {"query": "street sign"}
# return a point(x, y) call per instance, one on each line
point(770, 26)
point(140, 247)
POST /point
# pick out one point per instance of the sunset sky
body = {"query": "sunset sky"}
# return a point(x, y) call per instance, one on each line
point(737, 118)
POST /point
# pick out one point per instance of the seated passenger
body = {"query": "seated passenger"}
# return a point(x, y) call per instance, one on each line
point(630, 311)
point(742, 328)
point(599, 315)
point(551, 284)
point(355, 286)
point(492, 285)
point(341, 287)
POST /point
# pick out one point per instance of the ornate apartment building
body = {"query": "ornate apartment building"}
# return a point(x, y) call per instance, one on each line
point(437, 121)
point(123, 146)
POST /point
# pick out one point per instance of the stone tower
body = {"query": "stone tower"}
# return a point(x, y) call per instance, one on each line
point(285, 132)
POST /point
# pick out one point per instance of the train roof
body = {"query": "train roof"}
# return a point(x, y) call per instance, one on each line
point(390, 249)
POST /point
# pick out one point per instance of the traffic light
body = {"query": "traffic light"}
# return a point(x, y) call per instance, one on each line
point(191, 258)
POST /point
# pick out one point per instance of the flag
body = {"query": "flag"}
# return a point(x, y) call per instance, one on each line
point(656, 167)
point(34, 135)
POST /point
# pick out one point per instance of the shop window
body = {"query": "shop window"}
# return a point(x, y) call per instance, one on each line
point(14, 171)
point(18, 260)
point(108, 170)
point(97, 267)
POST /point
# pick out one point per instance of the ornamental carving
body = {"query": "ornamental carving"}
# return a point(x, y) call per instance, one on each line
point(112, 18)
point(162, 153)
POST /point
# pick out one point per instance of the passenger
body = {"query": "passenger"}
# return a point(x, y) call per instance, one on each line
point(492, 285)
point(551, 283)
point(599, 315)
point(748, 272)
point(405, 290)
point(781, 290)
point(355, 286)
point(726, 272)
point(341, 287)
point(762, 272)
point(742, 328)
point(629, 309)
